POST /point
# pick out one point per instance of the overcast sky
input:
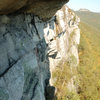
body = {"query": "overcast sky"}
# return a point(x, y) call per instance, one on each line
point(93, 5)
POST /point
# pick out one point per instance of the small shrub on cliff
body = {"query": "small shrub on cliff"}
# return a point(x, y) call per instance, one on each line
point(72, 61)
point(74, 18)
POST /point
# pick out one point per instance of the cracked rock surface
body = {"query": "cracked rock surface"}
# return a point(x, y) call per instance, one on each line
point(30, 48)
point(24, 66)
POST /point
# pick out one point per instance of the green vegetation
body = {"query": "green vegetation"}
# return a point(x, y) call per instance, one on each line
point(89, 68)
point(72, 61)
point(74, 19)
point(62, 75)
point(90, 18)
point(89, 53)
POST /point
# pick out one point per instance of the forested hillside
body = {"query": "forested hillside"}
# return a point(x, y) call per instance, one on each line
point(89, 53)
point(90, 18)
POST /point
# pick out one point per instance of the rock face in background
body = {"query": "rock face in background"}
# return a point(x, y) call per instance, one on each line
point(43, 8)
point(31, 48)
point(65, 38)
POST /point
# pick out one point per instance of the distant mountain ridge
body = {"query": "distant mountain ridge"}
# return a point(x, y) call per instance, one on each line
point(83, 9)
point(90, 18)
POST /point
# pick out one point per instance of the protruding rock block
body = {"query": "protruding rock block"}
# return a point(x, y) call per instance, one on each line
point(43, 8)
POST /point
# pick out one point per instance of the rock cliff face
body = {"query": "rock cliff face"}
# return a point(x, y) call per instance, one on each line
point(31, 48)
point(65, 38)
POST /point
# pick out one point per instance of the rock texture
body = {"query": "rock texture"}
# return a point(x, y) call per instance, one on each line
point(24, 66)
point(66, 37)
point(43, 8)
point(31, 48)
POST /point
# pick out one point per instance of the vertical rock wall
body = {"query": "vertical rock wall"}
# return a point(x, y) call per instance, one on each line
point(65, 38)
point(30, 49)
point(24, 65)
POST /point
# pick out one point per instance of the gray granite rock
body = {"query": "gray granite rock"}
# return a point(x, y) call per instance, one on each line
point(29, 51)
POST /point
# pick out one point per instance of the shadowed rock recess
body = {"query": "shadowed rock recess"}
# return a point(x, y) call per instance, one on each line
point(30, 47)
